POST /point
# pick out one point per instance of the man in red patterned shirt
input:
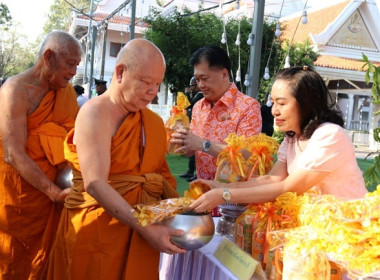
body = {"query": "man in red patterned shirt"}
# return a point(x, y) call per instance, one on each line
point(223, 110)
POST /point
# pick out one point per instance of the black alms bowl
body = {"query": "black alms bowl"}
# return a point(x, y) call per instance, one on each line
point(64, 178)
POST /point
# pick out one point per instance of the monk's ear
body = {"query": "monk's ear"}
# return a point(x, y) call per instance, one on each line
point(48, 57)
point(119, 70)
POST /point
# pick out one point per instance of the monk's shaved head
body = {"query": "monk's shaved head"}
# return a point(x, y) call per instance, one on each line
point(138, 53)
point(58, 41)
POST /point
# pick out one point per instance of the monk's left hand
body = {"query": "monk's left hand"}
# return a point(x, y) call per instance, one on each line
point(159, 237)
point(207, 201)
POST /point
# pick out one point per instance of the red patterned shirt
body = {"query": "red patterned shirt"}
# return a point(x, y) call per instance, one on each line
point(233, 112)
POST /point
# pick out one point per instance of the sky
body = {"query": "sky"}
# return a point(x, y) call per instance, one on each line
point(31, 14)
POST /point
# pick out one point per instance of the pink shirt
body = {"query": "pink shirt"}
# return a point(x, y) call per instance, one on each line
point(233, 112)
point(329, 149)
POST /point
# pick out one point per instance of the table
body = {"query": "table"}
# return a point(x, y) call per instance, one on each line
point(200, 264)
point(195, 265)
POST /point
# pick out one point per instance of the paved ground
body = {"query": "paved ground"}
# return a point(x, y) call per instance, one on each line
point(362, 152)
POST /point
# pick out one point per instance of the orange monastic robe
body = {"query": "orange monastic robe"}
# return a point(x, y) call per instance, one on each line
point(28, 218)
point(90, 243)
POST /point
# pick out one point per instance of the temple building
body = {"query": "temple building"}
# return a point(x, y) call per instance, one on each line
point(341, 34)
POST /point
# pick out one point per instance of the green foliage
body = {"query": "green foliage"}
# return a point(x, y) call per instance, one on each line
point(278, 135)
point(372, 174)
point(179, 37)
point(59, 16)
point(301, 54)
point(375, 71)
point(15, 55)
point(5, 17)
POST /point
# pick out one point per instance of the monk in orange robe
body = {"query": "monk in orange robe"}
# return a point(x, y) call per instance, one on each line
point(38, 107)
point(117, 153)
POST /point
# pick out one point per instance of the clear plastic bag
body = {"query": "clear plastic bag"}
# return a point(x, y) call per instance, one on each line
point(155, 212)
point(177, 120)
point(178, 125)
point(345, 233)
point(230, 162)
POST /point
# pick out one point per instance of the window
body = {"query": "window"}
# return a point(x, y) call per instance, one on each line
point(115, 48)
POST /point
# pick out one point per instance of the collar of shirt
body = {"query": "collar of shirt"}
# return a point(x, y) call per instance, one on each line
point(226, 99)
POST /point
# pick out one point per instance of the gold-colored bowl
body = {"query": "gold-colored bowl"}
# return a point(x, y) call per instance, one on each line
point(64, 178)
point(198, 227)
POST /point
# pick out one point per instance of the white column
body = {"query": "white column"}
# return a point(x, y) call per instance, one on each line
point(351, 104)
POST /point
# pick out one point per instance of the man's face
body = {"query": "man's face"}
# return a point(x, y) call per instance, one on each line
point(63, 67)
point(101, 88)
point(212, 82)
point(194, 88)
point(142, 84)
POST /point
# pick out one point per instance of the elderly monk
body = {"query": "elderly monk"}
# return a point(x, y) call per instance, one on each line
point(38, 107)
point(117, 153)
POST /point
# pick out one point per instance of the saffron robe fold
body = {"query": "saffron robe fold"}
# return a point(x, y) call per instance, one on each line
point(90, 243)
point(28, 218)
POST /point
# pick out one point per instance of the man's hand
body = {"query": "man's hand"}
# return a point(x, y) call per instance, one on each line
point(159, 237)
point(189, 141)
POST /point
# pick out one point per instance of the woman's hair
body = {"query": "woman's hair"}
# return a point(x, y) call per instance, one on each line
point(314, 100)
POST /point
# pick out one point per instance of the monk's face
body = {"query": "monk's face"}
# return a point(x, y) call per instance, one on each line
point(63, 67)
point(142, 84)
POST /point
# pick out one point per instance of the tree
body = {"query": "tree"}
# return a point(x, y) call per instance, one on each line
point(178, 36)
point(301, 53)
point(59, 16)
point(5, 17)
point(15, 54)
point(372, 174)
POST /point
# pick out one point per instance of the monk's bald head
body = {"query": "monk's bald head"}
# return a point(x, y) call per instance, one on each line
point(139, 53)
point(59, 42)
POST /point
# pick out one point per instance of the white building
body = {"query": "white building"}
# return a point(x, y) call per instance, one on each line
point(110, 40)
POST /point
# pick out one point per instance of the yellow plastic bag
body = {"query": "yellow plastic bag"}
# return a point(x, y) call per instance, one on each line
point(230, 162)
point(177, 120)
point(263, 148)
point(243, 228)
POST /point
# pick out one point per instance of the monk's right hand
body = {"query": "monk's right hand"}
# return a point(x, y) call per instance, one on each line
point(159, 237)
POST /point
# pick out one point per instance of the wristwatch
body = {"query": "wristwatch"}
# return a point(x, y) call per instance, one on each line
point(226, 195)
point(206, 146)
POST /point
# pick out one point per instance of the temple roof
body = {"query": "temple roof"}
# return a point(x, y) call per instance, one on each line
point(341, 33)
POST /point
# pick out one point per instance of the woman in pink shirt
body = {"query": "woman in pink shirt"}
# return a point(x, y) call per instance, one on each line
point(316, 153)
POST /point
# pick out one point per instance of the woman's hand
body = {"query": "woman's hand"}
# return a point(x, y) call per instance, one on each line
point(207, 201)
